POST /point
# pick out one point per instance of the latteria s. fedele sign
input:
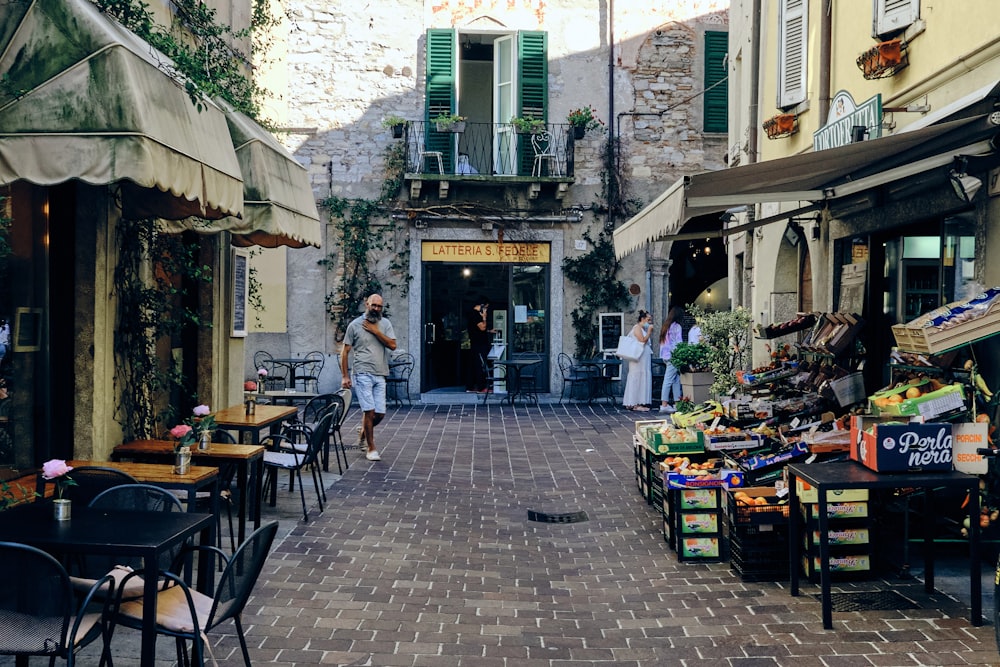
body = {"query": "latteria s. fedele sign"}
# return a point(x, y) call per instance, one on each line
point(484, 251)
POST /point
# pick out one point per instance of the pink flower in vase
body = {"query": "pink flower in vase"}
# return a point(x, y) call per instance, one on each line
point(56, 470)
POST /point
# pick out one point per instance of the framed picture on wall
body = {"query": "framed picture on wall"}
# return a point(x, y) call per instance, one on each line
point(241, 278)
point(28, 330)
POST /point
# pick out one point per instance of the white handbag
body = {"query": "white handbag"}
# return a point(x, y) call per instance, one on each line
point(629, 348)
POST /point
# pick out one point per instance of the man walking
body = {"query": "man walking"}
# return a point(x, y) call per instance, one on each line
point(371, 337)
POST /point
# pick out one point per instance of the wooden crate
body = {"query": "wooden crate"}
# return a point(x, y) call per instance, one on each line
point(934, 340)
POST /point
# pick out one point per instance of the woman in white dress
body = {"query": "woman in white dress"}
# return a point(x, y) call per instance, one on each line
point(639, 382)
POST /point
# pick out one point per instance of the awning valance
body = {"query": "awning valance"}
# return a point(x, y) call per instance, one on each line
point(810, 177)
point(279, 205)
point(85, 98)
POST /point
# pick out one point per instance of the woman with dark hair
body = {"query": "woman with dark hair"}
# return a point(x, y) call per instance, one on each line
point(670, 334)
point(639, 381)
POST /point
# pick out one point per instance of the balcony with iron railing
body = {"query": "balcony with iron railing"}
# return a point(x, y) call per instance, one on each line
point(488, 154)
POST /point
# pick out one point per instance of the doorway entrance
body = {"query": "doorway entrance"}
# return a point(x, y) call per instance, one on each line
point(518, 309)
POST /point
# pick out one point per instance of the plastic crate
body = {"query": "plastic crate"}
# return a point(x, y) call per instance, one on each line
point(772, 513)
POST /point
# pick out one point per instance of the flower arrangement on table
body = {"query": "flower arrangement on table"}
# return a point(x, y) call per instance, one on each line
point(261, 377)
point(57, 471)
point(184, 435)
point(584, 119)
point(202, 422)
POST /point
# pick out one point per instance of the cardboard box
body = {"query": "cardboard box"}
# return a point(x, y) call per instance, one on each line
point(841, 536)
point(930, 405)
point(670, 440)
point(845, 510)
point(701, 547)
point(698, 499)
point(807, 494)
point(699, 522)
point(723, 478)
point(901, 447)
point(966, 439)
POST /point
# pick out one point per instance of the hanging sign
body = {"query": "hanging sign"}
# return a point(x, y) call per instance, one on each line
point(844, 116)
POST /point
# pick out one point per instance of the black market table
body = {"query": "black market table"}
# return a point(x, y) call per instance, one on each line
point(268, 417)
point(144, 535)
point(851, 475)
point(515, 368)
point(246, 458)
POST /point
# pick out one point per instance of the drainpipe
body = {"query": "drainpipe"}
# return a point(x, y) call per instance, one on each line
point(755, 85)
point(612, 156)
point(825, 51)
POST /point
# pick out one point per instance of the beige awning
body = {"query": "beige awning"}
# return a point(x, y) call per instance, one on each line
point(86, 99)
point(810, 177)
point(279, 205)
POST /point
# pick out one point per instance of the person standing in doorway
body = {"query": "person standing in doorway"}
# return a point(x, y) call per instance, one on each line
point(671, 333)
point(371, 337)
point(480, 343)
point(639, 381)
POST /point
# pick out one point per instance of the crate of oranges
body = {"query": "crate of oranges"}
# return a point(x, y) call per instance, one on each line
point(924, 396)
point(756, 505)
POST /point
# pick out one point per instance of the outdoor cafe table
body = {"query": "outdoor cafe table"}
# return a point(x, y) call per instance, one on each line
point(293, 364)
point(269, 417)
point(600, 380)
point(144, 535)
point(288, 396)
point(246, 458)
point(515, 368)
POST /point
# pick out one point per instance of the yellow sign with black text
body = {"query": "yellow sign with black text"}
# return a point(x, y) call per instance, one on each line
point(472, 252)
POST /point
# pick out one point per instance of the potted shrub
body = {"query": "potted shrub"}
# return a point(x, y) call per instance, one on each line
point(396, 124)
point(726, 333)
point(692, 360)
point(583, 120)
point(449, 122)
point(527, 125)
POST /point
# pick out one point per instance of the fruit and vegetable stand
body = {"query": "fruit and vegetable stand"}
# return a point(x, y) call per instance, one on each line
point(717, 473)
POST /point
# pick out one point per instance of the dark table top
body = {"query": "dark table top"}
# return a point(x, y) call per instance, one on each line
point(853, 475)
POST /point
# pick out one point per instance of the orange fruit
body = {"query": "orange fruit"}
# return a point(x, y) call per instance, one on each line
point(894, 399)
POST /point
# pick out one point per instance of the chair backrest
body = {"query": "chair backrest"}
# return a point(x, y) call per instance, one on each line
point(315, 407)
point(315, 436)
point(132, 498)
point(565, 363)
point(403, 365)
point(92, 480)
point(541, 142)
point(262, 359)
point(240, 575)
point(36, 602)
point(224, 436)
point(348, 396)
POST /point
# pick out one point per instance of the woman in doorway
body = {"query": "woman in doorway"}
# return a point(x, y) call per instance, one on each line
point(639, 382)
point(670, 334)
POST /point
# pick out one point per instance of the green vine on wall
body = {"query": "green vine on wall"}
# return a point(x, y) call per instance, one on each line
point(362, 240)
point(255, 290)
point(148, 283)
point(212, 66)
point(596, 272)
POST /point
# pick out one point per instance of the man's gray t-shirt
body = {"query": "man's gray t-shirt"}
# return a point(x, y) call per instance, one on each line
point(370, 355)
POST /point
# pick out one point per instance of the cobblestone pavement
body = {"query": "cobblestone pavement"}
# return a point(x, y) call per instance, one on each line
point(427, 558)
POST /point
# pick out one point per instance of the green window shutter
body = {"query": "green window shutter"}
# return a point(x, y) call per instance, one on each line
point(441, 91)
point(533, 87)
point(716, 102)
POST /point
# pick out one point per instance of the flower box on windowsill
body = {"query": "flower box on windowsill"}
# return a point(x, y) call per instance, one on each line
point(883, 60)
point(456, 127)
point(781, 125)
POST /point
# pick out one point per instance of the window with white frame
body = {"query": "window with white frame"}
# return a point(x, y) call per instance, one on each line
point(792, 47)
point(892, 16)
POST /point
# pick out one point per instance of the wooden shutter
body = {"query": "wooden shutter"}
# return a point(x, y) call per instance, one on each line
point(894, 15)
point(716, 102)
point(792, 52)
point(442, 78)
point(533, 87)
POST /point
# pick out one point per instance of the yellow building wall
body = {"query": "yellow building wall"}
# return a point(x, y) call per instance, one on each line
point(270, 267)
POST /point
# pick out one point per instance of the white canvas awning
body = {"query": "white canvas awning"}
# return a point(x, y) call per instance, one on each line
point(85, 98)
point(811, 177)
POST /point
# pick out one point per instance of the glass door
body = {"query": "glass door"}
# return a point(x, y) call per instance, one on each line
point(504, 104)
point(529, 324)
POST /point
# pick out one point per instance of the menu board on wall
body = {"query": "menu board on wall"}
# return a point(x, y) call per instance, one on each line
point(852, 288)
point(612, 325)
point(241, 275)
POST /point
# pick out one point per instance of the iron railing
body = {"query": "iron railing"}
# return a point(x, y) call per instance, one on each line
point(487, 151)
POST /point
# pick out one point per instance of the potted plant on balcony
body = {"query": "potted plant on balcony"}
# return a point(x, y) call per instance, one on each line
point(527, 125)
point(583, 120)
point(449, 122)
point(396, 124)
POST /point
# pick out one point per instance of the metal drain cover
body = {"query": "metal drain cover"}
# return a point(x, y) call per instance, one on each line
point(869, 600)
point(565, 517)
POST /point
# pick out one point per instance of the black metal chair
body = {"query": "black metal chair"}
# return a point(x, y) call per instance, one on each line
point(573, 375)
point(128, 498)
point(398, 382)
point(188, 615)
point(308, 374)
point(91, 481)
point(40, 614)
point(276, 379)
point(298, 447)
point(492, 377)
point(314, 409)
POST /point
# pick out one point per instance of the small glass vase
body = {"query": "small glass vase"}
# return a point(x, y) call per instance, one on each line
point(62, 509)
point(261, 386)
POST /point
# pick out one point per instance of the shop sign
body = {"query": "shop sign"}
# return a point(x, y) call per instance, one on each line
point(484, 252)
point(844, 116)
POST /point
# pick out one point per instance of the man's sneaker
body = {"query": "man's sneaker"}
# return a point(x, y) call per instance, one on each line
point(372, 455)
